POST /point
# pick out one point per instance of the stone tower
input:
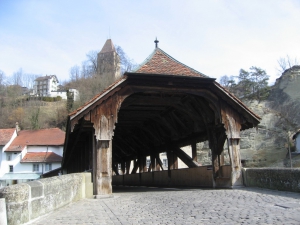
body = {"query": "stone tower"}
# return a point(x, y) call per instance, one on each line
point(108, 62)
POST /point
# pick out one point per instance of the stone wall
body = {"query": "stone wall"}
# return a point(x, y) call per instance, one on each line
point(30, 200)
point(281, 179)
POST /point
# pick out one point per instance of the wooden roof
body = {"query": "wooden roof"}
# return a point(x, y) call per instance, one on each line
point(167, 103)
point(159, 62)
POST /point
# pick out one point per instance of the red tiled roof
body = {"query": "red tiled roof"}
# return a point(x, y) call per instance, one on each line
point(41, 157)
point(160, 62)
point(51, 137)
point(5, 135)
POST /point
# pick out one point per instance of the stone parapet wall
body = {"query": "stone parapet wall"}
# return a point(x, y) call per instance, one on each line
point(30, 200)
point(281, 179)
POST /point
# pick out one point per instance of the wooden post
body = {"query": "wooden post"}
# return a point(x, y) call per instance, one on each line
point(128, 167)
point(158, 162)
point(144, 159)
point(123, 167)
point(235, 159)
point(103, 168)
point(141, 166)
point(94, 165)
point(153, 165)
point(172, 160)
point(194, 152)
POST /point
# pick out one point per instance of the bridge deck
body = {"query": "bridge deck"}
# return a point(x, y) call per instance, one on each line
point(142, 205)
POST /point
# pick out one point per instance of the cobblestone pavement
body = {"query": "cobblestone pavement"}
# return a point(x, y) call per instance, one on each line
point(142, 205)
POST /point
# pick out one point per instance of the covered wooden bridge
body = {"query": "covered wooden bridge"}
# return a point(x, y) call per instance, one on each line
point(161, 107)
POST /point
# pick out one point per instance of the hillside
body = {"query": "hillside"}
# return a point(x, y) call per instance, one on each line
point(34, 114)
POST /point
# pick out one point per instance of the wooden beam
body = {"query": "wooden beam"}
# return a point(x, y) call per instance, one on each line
point(185, 158)
point(135, 167)
point(158, 161)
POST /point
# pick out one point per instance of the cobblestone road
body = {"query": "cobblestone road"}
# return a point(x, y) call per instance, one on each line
point(141, 205)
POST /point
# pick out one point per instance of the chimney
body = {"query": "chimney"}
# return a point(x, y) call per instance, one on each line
point(17, 127)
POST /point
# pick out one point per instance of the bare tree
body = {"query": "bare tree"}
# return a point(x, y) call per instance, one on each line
point(92, 61)
point(127, 64)
point(28, 80)
point(285, 63)
point(17, 77)
point(75, 73)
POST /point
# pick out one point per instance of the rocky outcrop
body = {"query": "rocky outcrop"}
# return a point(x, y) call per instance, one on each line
point(285, 95)
point(267, 144)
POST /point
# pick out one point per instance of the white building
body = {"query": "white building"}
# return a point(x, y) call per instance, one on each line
point(26, 155)
point(43, 86)
point(296, 137)
point(47, 86)
point(64, 94)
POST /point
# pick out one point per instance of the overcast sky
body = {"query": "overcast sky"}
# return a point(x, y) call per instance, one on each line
point(215, 37)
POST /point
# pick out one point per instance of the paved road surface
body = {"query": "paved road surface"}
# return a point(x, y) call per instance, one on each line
point(142, 205)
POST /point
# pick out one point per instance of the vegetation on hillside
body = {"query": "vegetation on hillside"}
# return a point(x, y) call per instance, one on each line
point(46, 112)
point(252, 84)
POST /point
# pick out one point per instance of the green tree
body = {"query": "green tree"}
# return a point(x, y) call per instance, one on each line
point(34, 119)
point(259, 79)
point(245, 83)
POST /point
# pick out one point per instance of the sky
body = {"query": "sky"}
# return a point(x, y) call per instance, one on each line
point(216, 37)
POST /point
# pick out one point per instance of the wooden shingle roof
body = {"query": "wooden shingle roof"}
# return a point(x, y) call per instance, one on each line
point(159, 62)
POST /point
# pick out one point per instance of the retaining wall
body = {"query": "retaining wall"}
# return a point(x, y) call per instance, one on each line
point(282, 179)
point(30, 200)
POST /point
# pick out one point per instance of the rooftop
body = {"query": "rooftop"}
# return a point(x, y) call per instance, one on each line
point(45, 77)
point(41, 157)
point(5, 135)
point(108, 46)
point(44, 137)
point(159, 62)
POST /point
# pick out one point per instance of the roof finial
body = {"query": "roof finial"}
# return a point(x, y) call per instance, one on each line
point(156, 43)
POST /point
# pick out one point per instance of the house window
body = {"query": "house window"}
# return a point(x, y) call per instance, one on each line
point(11, 168)
point(8, 157)
point(48, 167)
point(35, 167)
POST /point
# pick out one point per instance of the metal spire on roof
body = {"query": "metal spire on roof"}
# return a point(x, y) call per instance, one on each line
point(156, 43)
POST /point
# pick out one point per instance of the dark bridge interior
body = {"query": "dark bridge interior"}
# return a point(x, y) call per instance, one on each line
point(152, 122)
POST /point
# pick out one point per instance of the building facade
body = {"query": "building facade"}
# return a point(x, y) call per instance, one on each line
point(28, 154)
point(43, 86)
